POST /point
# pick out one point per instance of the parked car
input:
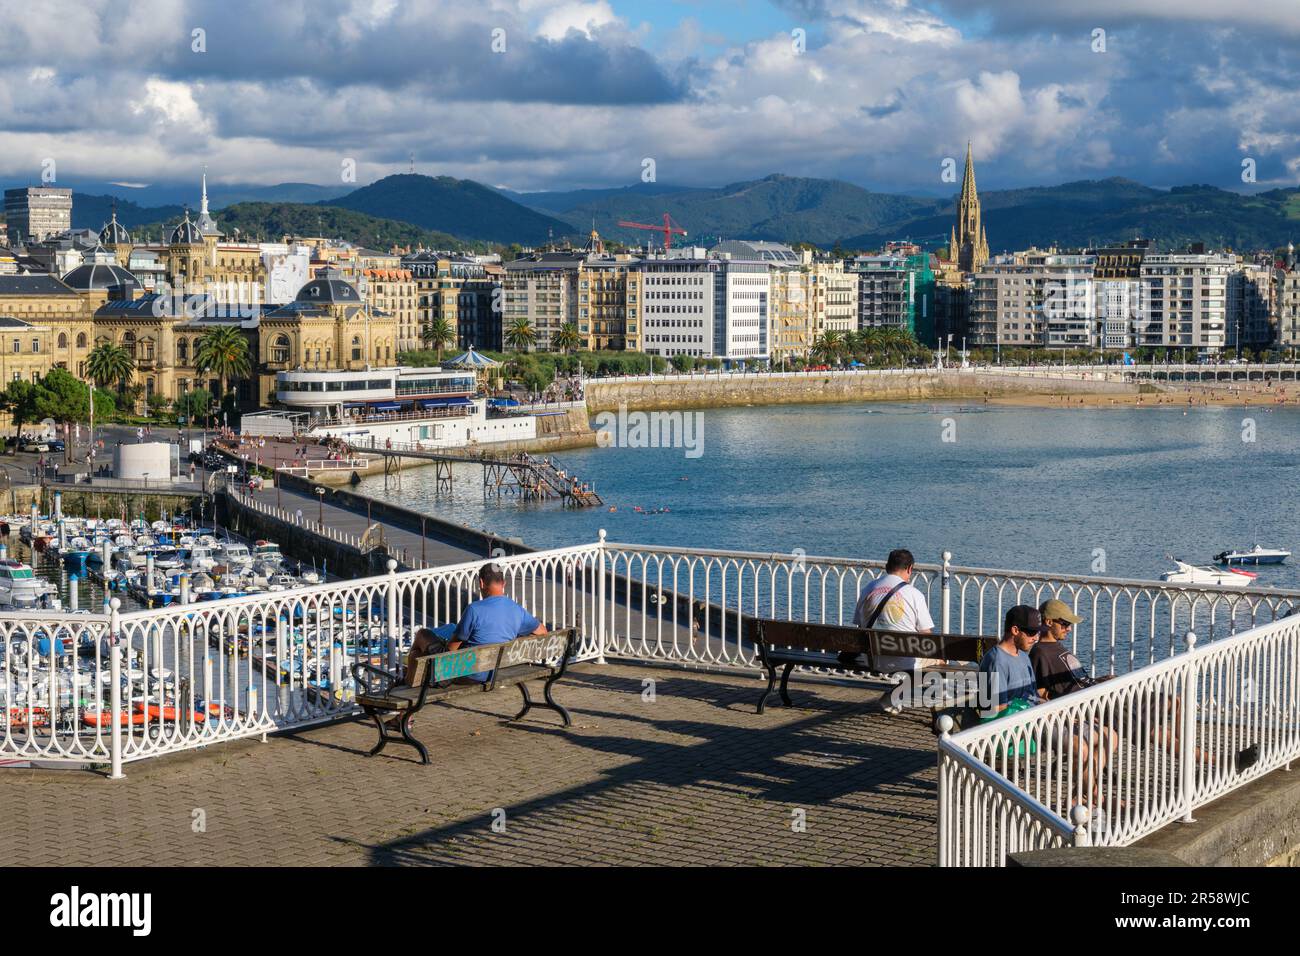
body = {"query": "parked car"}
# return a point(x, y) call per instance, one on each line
point(56, 444)
point(33, 445)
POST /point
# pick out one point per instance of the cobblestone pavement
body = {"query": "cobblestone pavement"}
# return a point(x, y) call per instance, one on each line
point(693, 776)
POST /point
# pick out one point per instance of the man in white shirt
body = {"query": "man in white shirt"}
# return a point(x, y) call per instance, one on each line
point(891, 603)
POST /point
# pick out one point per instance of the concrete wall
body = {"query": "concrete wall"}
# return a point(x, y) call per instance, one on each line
point(713, 391)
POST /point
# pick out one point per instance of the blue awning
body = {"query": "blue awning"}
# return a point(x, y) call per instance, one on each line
point(386, 408)
point(448, 403)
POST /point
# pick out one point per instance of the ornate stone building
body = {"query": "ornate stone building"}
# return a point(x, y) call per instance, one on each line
point(968, 248)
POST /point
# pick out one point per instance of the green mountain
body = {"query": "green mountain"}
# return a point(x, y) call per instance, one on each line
point(1112, 210)
point(272, 221)
point(461, 207)
point(91, 212)
point(781, 208)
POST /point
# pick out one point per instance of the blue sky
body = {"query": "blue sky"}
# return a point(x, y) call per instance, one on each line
point(562, 94)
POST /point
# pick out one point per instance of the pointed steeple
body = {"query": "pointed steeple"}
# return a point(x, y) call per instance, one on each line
point(968, 193)
point(207, 225)
point(970, 246)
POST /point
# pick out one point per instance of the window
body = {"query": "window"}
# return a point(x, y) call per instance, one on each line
point(18, 346)
point(81, 340)
point(183, 351)
point(63, 340)
point(280, 349)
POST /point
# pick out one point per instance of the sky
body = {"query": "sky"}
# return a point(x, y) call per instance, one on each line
point(566, 94)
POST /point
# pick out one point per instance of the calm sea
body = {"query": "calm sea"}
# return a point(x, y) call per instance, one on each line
point(1043, 489)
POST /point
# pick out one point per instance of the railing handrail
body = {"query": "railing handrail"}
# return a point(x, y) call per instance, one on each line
point(311, 590)
point(954, 569)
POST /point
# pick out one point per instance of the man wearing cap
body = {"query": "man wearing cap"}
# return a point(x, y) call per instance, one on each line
point(1006, 666)
point(1056, 670)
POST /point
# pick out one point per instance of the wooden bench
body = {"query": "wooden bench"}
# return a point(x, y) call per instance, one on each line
point(443, 676)
point(791, 644)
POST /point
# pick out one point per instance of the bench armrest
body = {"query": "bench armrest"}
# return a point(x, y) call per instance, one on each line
point(387, 678)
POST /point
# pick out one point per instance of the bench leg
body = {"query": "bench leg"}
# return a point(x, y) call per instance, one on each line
point(550, 702)
point(528, 701)
point(785, 684)
point(383, 734)
point(771, 683)
point(406, 736)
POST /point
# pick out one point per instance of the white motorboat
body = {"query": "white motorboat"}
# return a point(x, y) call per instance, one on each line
point(1255, 555)
point(1203, 576)
point(20, 587)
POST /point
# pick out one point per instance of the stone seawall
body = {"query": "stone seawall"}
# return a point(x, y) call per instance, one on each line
point(713, 391)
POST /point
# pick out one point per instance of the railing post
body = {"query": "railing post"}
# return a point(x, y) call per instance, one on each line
point(945, 607)
point(392, 615)
point(1079, 817)
point(1187, 733)
point(945, 731)
point(600, 599)
point(115, 689)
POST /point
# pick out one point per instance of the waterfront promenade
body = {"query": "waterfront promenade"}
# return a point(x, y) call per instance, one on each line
point(692, 777)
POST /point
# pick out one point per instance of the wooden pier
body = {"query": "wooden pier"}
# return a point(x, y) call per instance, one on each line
point(523, 475)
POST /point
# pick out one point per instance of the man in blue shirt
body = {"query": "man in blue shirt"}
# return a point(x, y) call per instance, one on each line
point(1007, 667)
point(494, 618)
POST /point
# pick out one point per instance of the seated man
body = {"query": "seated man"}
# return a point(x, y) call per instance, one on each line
point(1006, 666)
point(493, 619)
point(892, 603)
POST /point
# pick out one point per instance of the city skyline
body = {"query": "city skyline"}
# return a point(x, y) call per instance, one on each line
point(562, 94)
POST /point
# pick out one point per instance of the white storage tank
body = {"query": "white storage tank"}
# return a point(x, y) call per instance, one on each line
point(144, 460)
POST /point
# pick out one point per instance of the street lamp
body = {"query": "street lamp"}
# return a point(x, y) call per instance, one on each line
point(320, 502)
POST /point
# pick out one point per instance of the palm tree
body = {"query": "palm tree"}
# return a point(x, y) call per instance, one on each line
point(223, 351)
point(110, 363)
point(438, 334)
point(520, 334)
point(566, 338)
point(829, 345)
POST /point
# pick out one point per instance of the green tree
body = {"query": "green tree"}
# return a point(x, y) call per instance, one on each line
point(62, 397)
point(566, 338)
point(520, 334)
point(829, 345)
point(158, 403)
point(437, 335)
point(19, 399)
point(223, 351)
point(193, 405)
point(108, 364)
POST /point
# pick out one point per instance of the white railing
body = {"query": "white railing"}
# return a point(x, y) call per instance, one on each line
point(1126, 757)
point(1167, 736)
point(114, 689)
point(692, 604)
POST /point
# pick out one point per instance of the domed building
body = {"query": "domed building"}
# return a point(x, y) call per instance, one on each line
point(186, 233)
point(326, 326)
point(100, 278)
point(116, 239)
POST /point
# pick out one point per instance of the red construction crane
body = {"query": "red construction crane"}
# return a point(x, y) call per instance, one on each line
point(669, 229)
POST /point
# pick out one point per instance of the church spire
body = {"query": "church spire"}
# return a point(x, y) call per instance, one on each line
point(968, 193)
point(970, 248)
point(203, 201)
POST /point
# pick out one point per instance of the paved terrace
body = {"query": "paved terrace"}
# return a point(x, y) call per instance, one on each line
point(694, 777)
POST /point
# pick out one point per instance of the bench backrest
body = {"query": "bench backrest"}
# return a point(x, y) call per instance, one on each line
point(834, 638)
point(467, 661)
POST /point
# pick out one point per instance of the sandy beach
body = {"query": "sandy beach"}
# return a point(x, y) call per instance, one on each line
point(1223, 394)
